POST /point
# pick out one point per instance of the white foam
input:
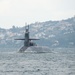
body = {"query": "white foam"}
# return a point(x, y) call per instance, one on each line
point(38, 49)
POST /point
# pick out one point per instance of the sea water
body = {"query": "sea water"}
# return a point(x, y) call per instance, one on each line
point(60, 61)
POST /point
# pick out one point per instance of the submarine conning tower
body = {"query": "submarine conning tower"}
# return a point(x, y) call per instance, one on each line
point(26, 41)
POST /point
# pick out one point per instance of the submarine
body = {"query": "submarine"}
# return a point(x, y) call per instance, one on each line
point(27, 40)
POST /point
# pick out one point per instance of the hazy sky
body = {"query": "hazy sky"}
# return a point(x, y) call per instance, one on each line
point(17, 12)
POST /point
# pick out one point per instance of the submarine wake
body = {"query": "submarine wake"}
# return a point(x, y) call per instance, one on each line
point(36, 49)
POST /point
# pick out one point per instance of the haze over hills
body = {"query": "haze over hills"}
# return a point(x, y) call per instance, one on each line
point(51, 33)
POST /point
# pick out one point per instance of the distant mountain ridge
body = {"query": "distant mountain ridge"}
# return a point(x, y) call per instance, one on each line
point(51, 33)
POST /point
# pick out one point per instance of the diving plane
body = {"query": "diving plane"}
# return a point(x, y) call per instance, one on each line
point(27, 40)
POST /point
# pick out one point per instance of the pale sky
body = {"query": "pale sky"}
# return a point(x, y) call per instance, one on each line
point(17, 12)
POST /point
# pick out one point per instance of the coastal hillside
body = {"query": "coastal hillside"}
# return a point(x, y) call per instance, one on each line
point(53, 34)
